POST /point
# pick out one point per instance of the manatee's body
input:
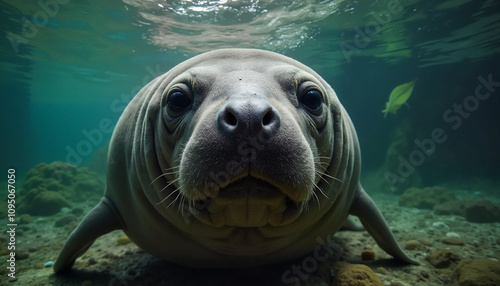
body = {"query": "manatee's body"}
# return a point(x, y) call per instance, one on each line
point(234, 158)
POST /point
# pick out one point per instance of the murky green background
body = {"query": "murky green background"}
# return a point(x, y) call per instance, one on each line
point(69, 67)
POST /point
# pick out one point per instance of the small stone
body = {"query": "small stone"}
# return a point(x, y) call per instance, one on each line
point(21, 255)
point(445, 279)
point(477, 272)
point(452, 241)
point(425, 242)
point(452, 234)
point(382, 270)
point(123, 240)
point(24, 219)
point(109, 255)
point(48, 264)
point(440, 225)
point(442, 258)
point(77, 211)
point(367, 254)
point(92, 261)
point(412, 245)
point(65, 220)
point(424, 274)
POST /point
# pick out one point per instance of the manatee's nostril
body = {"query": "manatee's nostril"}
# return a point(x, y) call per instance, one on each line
point(229, 118)
point(248, 117)
point(268, 118)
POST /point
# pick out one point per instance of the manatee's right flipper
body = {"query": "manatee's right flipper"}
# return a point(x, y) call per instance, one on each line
point(102, 219)
point(374, 222)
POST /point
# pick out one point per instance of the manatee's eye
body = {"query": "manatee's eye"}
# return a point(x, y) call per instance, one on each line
point(312, 100)
point(178, 101)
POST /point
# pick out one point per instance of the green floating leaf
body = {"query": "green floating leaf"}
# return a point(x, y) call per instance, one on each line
point(399, 95)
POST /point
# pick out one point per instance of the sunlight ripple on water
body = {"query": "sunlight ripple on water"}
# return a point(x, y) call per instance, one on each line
point(273, 25)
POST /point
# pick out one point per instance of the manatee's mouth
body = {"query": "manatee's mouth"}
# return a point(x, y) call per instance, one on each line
point(247, 202)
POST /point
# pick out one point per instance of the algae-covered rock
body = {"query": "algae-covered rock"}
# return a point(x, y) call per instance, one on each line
point(354, 274)
point(481, 211)
point(425, 198)
point(442, 258)
point(47, 203)
point(50, 187)
point(455, 207)
point(477, 272)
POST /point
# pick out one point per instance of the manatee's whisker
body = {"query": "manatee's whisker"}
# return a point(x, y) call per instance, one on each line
point(167, 173)
point(332, 177)
point(174, 200)
point(317, 199)
point(321, 177)
point(322, 157)
point(321, 191)
point(179, 207)
point(165, 198)
point(324, 173)
point(168, 185)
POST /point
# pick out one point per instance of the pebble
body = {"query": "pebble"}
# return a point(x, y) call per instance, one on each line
point(382, 270)
point(123, 240)
point(67, 219)
point(412, 245)
point(77, 211)
point(24, 219)
point(445, 279)
point(21, 255)
point(426, 242)
point(452, 234)
point(368, 254)
point(92, 261)
point(48, 264)
point(440, 225)
point(452, 241)
point(442, 258)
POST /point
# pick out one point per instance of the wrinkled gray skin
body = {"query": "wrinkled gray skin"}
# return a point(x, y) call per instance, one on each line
point(234, 158)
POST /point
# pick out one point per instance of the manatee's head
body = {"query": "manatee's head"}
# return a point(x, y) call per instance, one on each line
point(244, 138)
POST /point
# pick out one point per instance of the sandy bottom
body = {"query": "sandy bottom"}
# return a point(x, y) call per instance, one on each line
point(108, 263)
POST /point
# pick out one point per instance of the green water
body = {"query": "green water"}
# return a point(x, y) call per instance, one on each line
point(68, 68)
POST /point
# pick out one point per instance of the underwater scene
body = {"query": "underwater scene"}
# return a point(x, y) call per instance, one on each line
point(329, 143)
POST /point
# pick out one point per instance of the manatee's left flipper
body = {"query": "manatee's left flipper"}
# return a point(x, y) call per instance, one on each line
point(102, 219)
point(351, 224)
point(376, 225)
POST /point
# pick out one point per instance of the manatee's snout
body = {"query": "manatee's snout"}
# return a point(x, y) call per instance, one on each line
point(248, 162)
point(243, 117)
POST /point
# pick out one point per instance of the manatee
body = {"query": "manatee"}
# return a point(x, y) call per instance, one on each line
point(233, 158)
